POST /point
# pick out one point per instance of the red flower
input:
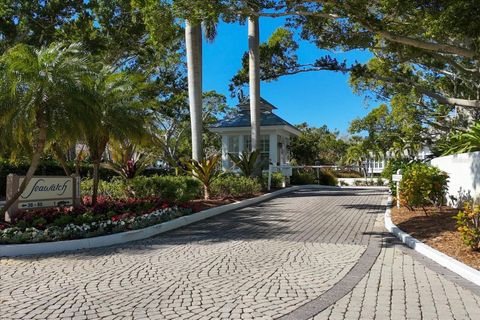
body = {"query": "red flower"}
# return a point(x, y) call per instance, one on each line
point(116, 218)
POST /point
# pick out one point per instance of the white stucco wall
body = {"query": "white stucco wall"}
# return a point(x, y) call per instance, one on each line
point(464, 172)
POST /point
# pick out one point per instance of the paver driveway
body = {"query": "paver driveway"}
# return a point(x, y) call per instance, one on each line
point(309, 254)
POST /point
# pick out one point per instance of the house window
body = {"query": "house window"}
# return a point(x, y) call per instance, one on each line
point(247, 143)
point(233, 148)
point(265, 150)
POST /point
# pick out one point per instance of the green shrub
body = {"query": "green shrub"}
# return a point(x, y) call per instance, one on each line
point(235, 186)
point(276, 182)
point(347, 173)
point(206, 171)
point(309, 176)
point(246, 162)
point(115, 189)
point(423, 185)
point(390, 169)
point(327, 178)
point(301, 177)
point(379, 182)
point(468, 224)
point(169, 188)
point(63, 220)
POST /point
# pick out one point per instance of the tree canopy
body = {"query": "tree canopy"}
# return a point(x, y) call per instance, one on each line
point(427, 52)
point(317, 144)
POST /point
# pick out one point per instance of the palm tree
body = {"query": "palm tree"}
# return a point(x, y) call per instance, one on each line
point(41, 92)
point(254, 79)
point(119, 113)
point(357, 154)
point(468, 141)
point(193, 39)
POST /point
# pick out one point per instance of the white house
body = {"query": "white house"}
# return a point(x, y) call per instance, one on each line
point(377, 166)
point(275, 134)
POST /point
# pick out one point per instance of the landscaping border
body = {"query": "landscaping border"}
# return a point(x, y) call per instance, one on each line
point(23, 249)
point(448, 262)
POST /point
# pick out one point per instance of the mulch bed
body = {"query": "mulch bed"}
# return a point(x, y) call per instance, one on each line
point(201, 204)
point(438, 230)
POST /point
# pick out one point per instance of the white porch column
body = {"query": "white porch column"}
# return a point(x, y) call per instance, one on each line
point(273, 148)
point(224, 152)
point(284, 150)
point(240, 144)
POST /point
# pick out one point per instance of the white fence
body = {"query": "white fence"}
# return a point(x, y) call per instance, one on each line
point(464, 172)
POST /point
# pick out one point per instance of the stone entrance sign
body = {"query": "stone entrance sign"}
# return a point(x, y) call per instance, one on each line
point(43, 192)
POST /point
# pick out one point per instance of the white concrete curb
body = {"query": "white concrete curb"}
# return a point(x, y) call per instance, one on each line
point(456, 266)
point(12, 250)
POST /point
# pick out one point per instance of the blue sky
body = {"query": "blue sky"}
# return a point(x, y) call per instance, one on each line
point(317, 98)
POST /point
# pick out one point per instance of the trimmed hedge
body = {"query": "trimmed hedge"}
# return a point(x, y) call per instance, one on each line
point(169, 188)
point(115, 188)
point(309, 176)
point(235, 186)
point(346, 173)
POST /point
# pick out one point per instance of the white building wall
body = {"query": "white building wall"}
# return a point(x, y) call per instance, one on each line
point(464, 172)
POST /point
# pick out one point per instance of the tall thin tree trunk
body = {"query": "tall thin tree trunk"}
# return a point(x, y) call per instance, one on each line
point(193, 39)
point(96, 180)
point(97, 149)
point(254, 79)
point(37, 155)
point(61, 158)
point(78, 160)
point(254, 84)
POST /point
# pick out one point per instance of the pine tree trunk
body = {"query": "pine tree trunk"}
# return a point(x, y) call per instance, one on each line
point(37, 155)
point(254, 84)
point(193, 39)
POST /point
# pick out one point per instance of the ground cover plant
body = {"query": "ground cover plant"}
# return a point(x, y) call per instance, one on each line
point(107, 216)
point(468, 223)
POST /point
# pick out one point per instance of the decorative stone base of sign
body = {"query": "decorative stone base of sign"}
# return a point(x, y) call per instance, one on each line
point(448, 262)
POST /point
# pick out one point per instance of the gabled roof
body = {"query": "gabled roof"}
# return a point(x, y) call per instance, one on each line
point(264, 105)
point(242, 118)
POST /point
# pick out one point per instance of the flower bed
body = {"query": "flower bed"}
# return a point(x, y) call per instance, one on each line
point(107, 217)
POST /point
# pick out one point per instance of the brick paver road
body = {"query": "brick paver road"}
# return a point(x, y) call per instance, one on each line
point(306, 255)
